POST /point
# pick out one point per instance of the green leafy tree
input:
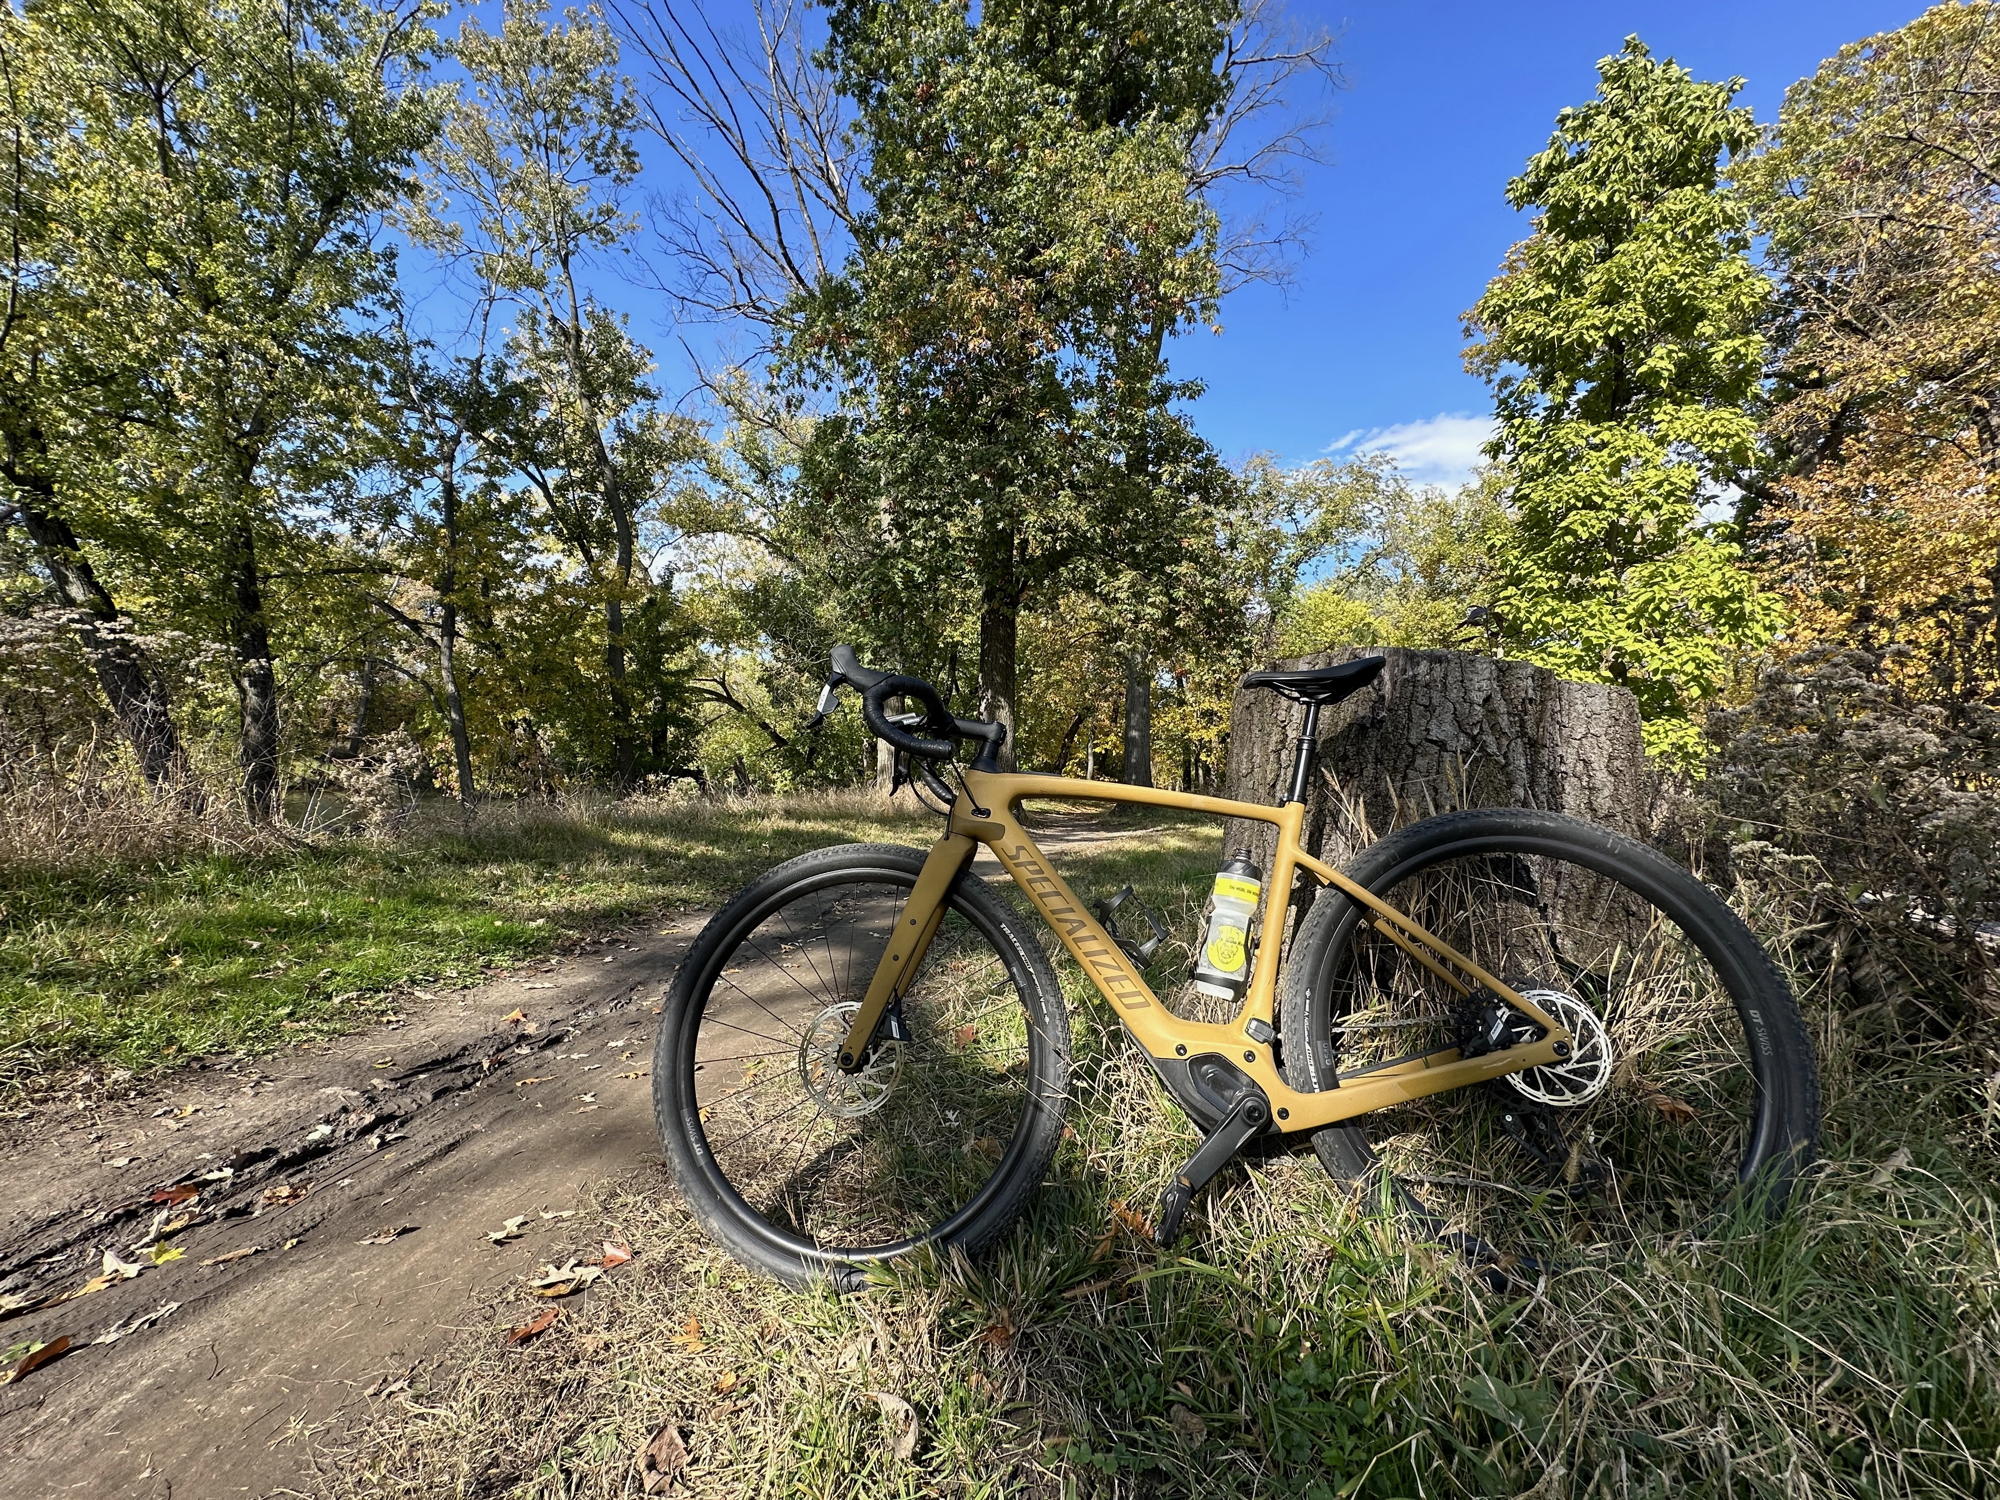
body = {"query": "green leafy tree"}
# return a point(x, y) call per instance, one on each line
point(1028, 232)
point(58, 395)
point(226, 167)
point(1623, 342)
point(537, 155)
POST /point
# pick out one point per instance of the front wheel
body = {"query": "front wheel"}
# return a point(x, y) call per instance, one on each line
point(1690, 1093)
point(805, 1171)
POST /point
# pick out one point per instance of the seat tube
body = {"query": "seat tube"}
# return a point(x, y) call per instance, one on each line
point(1305, 755)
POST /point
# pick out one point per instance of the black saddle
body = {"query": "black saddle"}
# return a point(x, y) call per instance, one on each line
point(1320, 684)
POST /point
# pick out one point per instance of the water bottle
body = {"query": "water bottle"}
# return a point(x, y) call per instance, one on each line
point(1224, 963)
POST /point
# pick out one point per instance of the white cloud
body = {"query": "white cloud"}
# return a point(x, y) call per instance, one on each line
point(1443, 449)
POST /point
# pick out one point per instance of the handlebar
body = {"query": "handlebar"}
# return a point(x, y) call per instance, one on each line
point(930, 735)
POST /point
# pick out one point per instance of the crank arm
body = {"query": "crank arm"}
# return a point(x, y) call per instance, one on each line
point(1247, 1118)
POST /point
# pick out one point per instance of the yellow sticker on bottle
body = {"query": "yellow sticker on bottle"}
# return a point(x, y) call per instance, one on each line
point(1234, 889)
point(1225, 950)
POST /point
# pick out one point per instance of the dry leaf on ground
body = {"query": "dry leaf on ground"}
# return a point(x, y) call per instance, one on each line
point(383, 1236)
point(132, 1325)
point(615, 1254)
point(224, 1259)
point(560, 1281)
point(901, 1419)
point(661, 1460)
point(513, 1229)
point(535, 1327)
point(689, 1338)
point(31, 1358)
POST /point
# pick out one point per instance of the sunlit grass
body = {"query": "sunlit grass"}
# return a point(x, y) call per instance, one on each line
point(1295, 1345)
point(131, 965)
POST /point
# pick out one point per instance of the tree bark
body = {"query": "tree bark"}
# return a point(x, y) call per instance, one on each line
point(1138, 769)
point(132, 687)
point(256, 676)
point(999, 638)
point(1438, 731)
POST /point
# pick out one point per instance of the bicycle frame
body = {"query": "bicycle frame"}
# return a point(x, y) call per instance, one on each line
point(985, 813)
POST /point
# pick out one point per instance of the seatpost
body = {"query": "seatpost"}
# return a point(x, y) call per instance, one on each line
point(1305, 755)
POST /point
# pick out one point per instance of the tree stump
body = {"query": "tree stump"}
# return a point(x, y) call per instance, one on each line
point(1436, 732)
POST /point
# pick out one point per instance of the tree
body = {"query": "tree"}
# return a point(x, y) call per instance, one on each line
point(539, 155)
point(1027, 227)
point(1878, 193)
point(1622, 342)
point(55, 391)
point(226, 166)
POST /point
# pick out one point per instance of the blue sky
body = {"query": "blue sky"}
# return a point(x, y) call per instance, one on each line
point(1442, 104)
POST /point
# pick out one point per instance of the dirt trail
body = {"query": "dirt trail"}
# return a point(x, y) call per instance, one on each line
point(443, 1127)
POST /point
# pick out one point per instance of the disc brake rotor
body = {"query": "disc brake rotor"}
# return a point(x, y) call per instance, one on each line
point(1581, 1076)
point(846, 1096)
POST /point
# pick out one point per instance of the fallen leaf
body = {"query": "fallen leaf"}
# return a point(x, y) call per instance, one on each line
point(1187, 1426)
point(689, 1338)
point(36, 1356)
point(223, 1260)
point(558, 1213)
point(1893, 1163)
point(587, 1098)
point(661, 1460)
point(632, 1075)
point(388, 1386)
point(521, 1083)
point(120, 1270)
point(560, 1281)
point(382, 1237)
point(901, 1419)
point(132, 1325)
point(1671, 1108)
point(515, 1019)
point(965, 1036)
point(725, 1383)
point(180, 1192)
point(163, 1253)
point(533, 1328)
point(513, 1229)
point(285, 1192)
point(615, 1254)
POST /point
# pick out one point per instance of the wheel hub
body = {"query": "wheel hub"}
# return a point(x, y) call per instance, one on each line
point(1579, 1077)
point(844, 1095)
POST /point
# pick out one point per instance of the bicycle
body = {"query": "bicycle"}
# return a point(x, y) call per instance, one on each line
point(866, 1050)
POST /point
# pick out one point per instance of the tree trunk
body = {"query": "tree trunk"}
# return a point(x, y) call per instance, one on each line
point(1138, 769)
point(999, 636)
point(454, 703)
point(1441, 730)
point(364, 700)
point(447, 636)
point(885, 767)
point(256, 676)
point(137, 696)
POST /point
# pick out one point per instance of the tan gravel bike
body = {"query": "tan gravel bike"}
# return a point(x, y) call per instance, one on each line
point(1533, 1036)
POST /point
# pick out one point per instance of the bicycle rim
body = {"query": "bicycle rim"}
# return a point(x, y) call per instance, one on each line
point(915, 1146)
point(1649, 1136)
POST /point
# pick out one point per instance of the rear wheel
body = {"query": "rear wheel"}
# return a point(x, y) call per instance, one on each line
point(1690, 1091)
point(804, 1171)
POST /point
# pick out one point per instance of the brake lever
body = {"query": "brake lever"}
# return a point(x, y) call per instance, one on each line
point(829, 700)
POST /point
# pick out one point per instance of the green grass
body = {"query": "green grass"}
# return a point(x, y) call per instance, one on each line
point(121, 965)
point(1297, 1346)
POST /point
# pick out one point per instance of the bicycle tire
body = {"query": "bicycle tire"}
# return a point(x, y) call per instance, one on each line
point(1331, 964)
point(808, 888)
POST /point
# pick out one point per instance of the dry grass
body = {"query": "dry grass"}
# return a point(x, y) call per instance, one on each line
point(1298, 1347)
